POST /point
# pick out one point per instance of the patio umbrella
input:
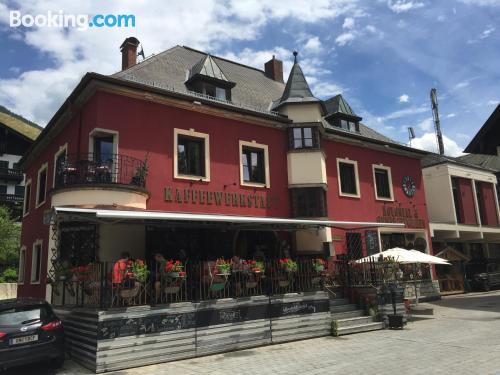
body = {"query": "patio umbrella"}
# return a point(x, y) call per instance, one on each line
point(404, 256)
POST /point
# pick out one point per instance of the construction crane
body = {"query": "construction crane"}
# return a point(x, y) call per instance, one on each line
point(437, 125)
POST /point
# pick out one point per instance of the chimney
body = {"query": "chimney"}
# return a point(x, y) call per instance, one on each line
point(274, 69)
point(129, 52)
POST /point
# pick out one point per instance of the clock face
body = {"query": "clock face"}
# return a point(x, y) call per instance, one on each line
point(409, 186)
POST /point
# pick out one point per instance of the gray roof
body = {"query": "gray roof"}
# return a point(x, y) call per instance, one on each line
point(253, 89)
point(297, 89)
point(482, 160)
point(338, 104)
point(434, 159)
point(171, 68)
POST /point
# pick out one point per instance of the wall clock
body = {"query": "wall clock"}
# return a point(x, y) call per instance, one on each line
point(409, 186)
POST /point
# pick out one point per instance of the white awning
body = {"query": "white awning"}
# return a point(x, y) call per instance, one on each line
point(135, 215)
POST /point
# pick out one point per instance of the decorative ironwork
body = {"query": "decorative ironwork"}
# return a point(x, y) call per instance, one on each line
point(88, 169)
point(11, 174)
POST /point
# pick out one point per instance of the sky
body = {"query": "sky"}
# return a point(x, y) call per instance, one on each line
point(383, 56)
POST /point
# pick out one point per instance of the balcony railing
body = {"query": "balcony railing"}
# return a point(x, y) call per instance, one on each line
point(102, 285)
point(11, 198)
point(88, 169)
point(11, 174)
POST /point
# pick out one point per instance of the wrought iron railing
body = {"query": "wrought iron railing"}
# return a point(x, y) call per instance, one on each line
point(89, 169)
point(11, 174)
point(99, 285)
point(11, 198)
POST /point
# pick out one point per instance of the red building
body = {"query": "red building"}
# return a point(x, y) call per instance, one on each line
point(198, 157)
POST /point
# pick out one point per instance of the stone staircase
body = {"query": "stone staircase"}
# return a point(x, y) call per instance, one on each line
point(347, 318)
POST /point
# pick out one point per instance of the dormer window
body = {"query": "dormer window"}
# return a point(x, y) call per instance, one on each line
point(340, 114)
point(207, 78)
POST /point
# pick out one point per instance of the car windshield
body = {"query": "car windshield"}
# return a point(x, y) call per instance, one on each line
point(23, 315)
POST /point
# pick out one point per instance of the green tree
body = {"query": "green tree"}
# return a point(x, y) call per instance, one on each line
point(10, 237)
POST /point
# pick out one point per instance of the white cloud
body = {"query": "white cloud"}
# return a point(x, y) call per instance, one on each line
point(461, 85)
point(493, 102)
point(428, 142)
point(404, 98)
point(450, 115)
point(402, 6)
point(487, 32)
point(426, 124)
point(73, 53)
point(348, 23)
point(403, 113)
point(345, 38)
point(482, 2)
point(313, 45)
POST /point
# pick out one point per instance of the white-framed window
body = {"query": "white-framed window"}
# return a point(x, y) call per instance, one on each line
point(22, 265)
point(41, 185)
point(348, 178)
point(254, 164)
point(36, 262)
point(191, 155)
point(59, 159)
point(382, 183)
point(103, 150)
point(27, 197)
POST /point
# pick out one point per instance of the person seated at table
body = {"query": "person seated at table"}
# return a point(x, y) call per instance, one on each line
point(236, 263)
point(120, 271)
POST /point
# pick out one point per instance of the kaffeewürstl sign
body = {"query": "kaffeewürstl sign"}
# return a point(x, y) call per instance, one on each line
point(219, 198)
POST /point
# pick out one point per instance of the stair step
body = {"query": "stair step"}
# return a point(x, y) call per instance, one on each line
point(356, 321)
point(360, 328)
point(339, 301)
point(347, 314)
point(342, 308)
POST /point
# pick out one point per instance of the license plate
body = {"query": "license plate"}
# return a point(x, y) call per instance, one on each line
point(23, 340)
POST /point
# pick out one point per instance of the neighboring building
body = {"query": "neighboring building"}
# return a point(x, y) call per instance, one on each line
point(199, 158)
point(16, 136)
point(462, 203)
point(484, 149)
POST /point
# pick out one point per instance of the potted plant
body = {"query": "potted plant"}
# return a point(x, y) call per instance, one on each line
point(288, 265)
point(223, 267)
point(139, 270)
point(141, 173)
point(318, 265)
point(173, 269)
point(256, 268)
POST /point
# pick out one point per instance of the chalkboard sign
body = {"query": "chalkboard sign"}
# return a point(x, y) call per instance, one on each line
point(371, 238)
point(110, 329)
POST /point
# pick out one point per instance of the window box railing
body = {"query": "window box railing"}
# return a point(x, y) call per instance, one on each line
point(88, 169)
point(11, 174)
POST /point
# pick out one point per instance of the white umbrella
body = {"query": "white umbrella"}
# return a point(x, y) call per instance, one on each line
point(404, 256)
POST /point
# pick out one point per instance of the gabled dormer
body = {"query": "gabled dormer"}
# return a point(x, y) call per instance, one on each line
point(207, 78)
point(340, 114)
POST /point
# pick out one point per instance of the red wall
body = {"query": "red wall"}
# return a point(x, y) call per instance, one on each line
point(467, 201)
point(367, 208)
point(489, 205)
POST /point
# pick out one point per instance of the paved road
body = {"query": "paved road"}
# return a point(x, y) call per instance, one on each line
point(462, 337)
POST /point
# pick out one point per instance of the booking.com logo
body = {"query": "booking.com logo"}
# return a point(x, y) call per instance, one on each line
point(78, 21)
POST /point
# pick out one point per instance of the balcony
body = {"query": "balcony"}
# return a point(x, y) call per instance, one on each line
point(11, 174)
point(115, 170)
point(11, 198)
point(85, 179)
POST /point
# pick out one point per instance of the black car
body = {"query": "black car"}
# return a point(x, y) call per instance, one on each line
point(488, 279)
point(29, 332)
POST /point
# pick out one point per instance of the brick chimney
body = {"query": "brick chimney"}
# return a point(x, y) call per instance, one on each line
point(129, 52)
point(274, 69)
